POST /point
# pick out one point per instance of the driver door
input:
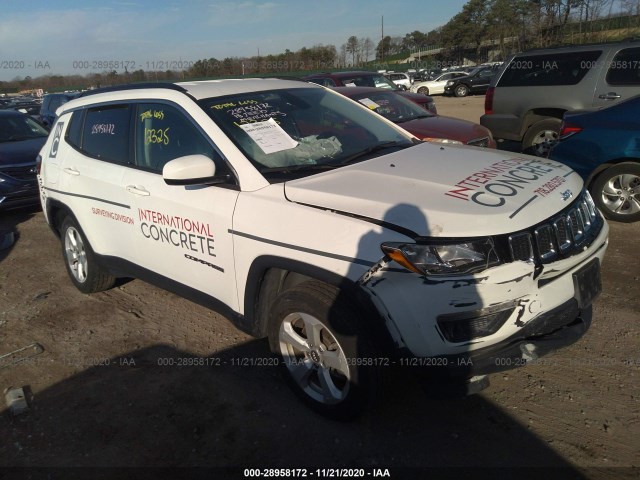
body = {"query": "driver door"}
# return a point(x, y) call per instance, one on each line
point(182, 231)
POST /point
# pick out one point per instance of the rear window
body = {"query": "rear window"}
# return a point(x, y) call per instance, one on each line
point(549, 69)
point(625, 68)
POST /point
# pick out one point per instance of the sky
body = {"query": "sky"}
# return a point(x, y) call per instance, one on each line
point(72, 37)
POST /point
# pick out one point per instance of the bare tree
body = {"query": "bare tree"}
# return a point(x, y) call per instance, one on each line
point(353, 47)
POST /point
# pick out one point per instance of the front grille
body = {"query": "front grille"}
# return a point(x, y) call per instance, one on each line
point(479, 142)
point(25, 171)
point(559, 237)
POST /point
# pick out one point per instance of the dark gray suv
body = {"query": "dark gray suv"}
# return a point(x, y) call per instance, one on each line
point(527, 99)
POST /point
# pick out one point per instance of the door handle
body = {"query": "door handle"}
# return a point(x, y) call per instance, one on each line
point(609, 96)
point(137, 190)
point(71, 171)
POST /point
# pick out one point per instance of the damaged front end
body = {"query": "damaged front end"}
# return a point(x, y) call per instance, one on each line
point(482, 305)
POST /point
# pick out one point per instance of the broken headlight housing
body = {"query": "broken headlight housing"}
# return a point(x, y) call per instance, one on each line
point(462, 257)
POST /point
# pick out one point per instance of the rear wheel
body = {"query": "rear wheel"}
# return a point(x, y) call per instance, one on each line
point(423, 90)
point(616, 192)
point(325, 356)
point(541, 137)
point(85, 273)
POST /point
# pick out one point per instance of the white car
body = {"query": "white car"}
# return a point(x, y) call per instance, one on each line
point(309, 219)
point(436, 86)
point(400, 79)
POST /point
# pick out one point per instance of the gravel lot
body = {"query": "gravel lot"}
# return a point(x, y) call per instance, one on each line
point(101, 395)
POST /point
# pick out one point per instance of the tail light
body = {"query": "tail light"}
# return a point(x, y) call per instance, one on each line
point(567, 129)
point(488, 101)
point(39, 163)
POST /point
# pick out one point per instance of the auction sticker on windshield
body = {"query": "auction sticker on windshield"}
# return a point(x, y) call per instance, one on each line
point(269, 136)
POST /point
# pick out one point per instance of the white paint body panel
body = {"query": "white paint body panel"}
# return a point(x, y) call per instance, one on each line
point(335, 221)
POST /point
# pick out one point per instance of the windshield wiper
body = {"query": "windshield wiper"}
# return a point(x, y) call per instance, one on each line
point(299, 168)
point(372, 149)
point(309, 167)
point(402, 120)
point(19, 138)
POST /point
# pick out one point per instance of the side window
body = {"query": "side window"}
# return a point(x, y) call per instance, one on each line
point(105, 134)
point(551, 69)
point(625, 68)
point(164, 133)
point(74, 130)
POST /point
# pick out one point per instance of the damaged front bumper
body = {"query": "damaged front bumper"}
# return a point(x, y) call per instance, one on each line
point(466, 327)
point(551, 331)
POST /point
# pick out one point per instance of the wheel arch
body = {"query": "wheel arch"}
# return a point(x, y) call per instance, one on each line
point(605, 166)
point(56, 213)
point(269, 276)
point(536, 115)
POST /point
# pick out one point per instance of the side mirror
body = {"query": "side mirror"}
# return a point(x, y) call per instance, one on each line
point(191, 170)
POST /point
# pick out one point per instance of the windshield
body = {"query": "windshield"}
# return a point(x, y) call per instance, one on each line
point(392, 106)
point(302, 129)
point(14, 128)
point(378, 81)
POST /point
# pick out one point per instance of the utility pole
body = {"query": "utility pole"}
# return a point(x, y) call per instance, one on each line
point(382, 41)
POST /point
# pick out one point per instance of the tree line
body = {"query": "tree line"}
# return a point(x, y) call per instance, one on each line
point(481, 28)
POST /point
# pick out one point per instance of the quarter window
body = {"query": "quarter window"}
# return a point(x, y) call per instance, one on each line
point(106, 133)
point(74, 131)
point(545, 70)
point(164, 133)
point(625, 68)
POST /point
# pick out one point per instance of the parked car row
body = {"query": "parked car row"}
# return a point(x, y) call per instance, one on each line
point(396, 105)
point(577, 104)
point(25, 104)
point(425, 125)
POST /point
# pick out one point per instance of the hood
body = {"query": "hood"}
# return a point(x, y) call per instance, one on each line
point(444, 191)
point(23, 151)
point(445, 127)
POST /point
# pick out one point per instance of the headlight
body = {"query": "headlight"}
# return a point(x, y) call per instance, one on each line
point(442, 140)
point(449, 83)
point(446, 258)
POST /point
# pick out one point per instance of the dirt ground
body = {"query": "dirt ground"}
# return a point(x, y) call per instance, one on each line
point(101, 394)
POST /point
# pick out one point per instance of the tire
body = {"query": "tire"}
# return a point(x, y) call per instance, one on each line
point(461, 90)
point(311, 327)
point(84, 271)
point(541, 136)
point(423, 90)
point(616, 192)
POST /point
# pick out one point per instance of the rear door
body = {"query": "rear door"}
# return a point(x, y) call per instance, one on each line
point(91, 167)
point(621, 77)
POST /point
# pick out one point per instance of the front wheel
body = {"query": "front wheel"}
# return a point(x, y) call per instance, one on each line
point(85, 273)
point(423, 90)
point(461, 91)
point(616, 192)
point(325, 356)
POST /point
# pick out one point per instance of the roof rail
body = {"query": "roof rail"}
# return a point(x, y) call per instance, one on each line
point(134, 86)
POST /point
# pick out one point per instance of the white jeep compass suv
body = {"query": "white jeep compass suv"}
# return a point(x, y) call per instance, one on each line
point(308, 219)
